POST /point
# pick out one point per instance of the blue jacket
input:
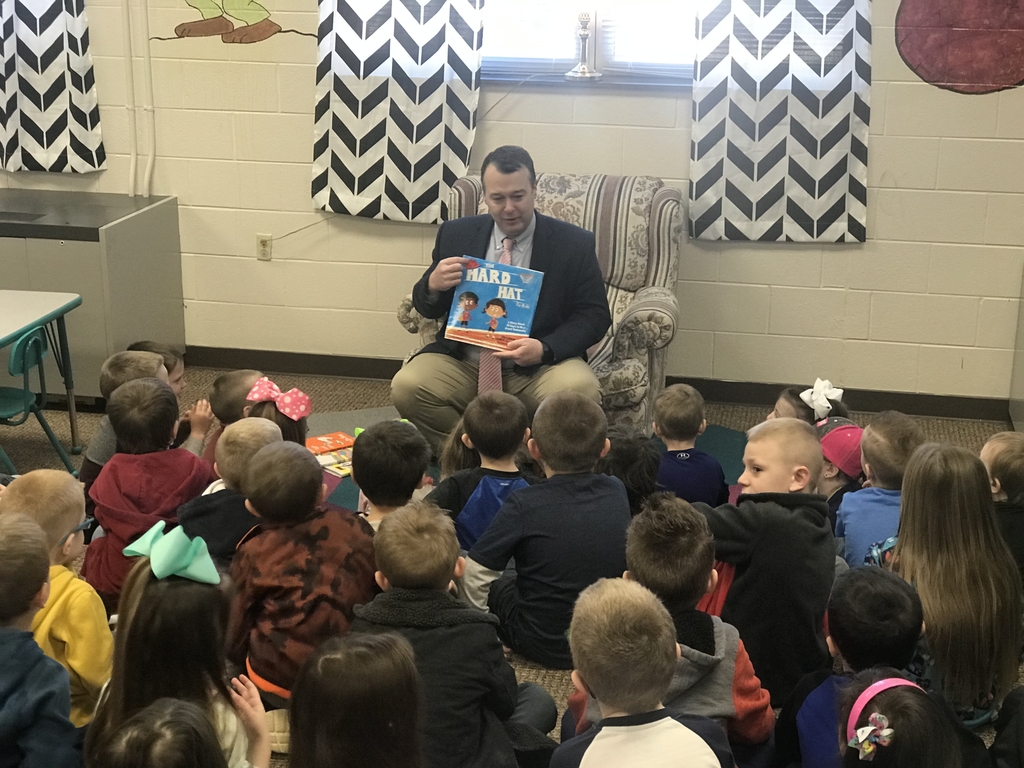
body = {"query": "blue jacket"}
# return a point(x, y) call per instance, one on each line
point(35, 704)
point(865, 517)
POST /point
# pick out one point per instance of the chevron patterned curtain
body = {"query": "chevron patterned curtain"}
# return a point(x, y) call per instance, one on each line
point(49, 117)
point(780, 120)
point(397, 91)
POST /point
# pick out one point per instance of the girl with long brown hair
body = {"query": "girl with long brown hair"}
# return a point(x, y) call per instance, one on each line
point(950, 548)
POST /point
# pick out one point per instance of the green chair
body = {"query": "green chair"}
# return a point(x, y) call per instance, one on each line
point(16, 404)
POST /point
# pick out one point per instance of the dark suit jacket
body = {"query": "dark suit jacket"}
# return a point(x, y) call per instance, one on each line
point(572, 311)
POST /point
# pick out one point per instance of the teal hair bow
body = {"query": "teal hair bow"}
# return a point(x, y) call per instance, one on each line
point(175, 554)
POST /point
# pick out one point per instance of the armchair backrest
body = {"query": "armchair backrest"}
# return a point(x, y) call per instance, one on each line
point(637, 221)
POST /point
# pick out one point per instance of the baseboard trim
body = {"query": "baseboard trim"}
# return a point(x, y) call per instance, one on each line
point(917, 404)
point(292, 362)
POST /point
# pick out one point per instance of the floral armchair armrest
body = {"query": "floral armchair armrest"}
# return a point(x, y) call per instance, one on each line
point(649, 324)
point(414, 322)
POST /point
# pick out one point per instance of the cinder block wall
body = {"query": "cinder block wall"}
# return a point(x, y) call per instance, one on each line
point(929, 304)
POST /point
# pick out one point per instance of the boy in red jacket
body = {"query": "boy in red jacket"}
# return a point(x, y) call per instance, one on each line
point(144, 482)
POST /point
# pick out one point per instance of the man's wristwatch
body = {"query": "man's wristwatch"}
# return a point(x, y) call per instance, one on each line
point(547, 356)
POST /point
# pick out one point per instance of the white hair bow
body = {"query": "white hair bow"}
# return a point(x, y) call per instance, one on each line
point(817, 398)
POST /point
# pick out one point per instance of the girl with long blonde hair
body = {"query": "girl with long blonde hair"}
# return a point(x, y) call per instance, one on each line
point(950, 548)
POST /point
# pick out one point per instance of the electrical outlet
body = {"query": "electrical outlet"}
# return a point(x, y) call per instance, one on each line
point(264, 246)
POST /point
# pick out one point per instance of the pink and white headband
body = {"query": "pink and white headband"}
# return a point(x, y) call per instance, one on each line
point(294, 403)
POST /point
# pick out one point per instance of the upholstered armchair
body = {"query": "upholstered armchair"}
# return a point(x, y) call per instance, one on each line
point(638, 224)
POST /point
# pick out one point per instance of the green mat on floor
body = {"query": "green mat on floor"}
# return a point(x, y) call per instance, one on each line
point(727, 446)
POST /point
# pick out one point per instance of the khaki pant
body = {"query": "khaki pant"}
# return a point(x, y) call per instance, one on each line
point(432, 390)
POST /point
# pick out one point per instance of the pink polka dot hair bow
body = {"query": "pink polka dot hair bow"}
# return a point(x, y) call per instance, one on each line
point(294, 403)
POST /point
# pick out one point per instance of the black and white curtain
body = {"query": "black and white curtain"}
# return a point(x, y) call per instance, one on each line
point(780, 120)
point(396, 99)
point(49, 116)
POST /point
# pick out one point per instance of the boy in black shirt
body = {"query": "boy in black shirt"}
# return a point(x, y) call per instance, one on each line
point(565, 533)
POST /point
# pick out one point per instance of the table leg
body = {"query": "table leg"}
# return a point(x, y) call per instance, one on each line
point(69, 382)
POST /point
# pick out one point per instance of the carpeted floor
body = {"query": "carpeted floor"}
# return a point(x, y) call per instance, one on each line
point(29, 449)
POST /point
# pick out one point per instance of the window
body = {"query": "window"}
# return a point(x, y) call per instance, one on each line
point(630, 41)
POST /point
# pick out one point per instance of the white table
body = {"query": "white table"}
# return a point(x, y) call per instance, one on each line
point(21, 311)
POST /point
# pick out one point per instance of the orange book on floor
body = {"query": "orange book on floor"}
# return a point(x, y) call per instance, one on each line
point(334, 441)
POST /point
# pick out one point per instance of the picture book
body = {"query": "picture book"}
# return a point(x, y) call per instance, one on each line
point(335, 441)
point(337, 462)
point(494, 304)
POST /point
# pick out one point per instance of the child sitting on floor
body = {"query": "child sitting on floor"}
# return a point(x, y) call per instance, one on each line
point(690, 474)
point(227, 401)
point(170, 643)
point(633, 458)
point(625, 655)
point(196, 422)
point(357, 702)
point(144, 482)
point(1003, 457)
point(117, 369)
point(495, 425)
point(779, 540)
point(35, 702)
point(873, 513)
point(811, 405)
point(286, 409)
point(565, 533)
point(220, 515)
point(841, 472)
point(72, 627)
point(468, 687)
point(874, 619)
point(669, 550)
point(389, 462)
point(298, 574)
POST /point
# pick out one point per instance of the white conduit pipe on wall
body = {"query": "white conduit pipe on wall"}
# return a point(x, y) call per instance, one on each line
point(147, 85)
point(129, 84)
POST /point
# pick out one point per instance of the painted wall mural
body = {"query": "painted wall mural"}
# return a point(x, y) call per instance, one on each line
point(966, 46)
point(219, 18)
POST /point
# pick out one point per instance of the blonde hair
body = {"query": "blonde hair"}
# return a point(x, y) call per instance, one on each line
point(122, 367)
point(798, 441)
point(416, 546)
point(1008, 463)
point(238, 443)
point(51, 497)
point(951, 550)
point(623, 645)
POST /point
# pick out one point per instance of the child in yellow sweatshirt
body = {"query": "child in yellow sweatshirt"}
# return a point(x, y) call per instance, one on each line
point(72, 626)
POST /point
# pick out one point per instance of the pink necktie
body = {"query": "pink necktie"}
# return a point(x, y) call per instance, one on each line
point(489, 370)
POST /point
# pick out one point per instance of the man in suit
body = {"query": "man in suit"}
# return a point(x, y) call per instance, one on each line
point(434, 388)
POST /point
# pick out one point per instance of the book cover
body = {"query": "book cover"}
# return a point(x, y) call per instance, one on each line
point(333, 441)
point(338, 463)
point(494, 304)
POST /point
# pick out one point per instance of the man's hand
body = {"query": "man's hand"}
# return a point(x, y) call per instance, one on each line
point(447, 274)
point(200, 416)
point(524, 352)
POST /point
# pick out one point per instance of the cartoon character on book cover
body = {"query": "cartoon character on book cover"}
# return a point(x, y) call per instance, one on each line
point(494, 304)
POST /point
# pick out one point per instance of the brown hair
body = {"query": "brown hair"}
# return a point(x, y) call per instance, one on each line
point(1008, 463)
point(142, 413)
point(496, 422)
point(670, 550)
point(679, 412)
point(51, 497)
point(951, 549)
point(283, 482)
point(24, 565)
point(804, 412)
point(171, 357)
point(455, 455)
point(292, 431)
point(388, 461)
point(238, 443)
point(227, 395)
point(798, 442)
point(416, 547)
point(356, 703)
point(570, 429)
point(623, 645)
point(887, 444)
point(122, 367)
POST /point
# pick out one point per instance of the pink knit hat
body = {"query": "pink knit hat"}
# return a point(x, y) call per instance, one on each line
point(841, 446)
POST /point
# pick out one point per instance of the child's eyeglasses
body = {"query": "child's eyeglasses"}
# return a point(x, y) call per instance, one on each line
point(80, 527)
